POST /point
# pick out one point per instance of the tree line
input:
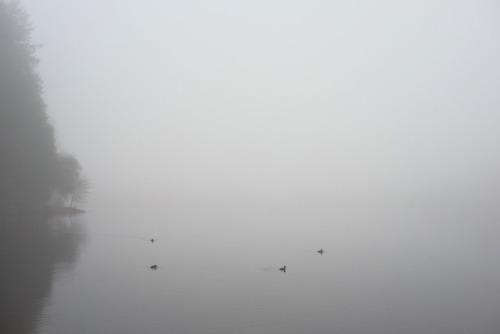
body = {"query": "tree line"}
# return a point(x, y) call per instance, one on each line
point(34, 174)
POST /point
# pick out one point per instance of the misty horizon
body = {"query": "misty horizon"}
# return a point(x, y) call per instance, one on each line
point(328, 102)
point(230, 167)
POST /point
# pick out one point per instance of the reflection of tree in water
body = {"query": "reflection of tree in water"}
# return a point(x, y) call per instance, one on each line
point(30, 249)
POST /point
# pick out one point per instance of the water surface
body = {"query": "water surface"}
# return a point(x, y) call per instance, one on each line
point(383, 271)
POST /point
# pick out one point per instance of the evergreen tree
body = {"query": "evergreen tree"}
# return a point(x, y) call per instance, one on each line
point(29, 162)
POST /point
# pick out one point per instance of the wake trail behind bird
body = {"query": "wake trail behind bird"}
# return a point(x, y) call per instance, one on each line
point(122, 236)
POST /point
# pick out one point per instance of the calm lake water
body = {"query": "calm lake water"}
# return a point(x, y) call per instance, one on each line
point(383, 271)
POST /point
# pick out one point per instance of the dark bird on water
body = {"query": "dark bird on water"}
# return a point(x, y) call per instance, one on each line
point(154, 266)
point(152, 240)
point(321, 251)
point(283, 268)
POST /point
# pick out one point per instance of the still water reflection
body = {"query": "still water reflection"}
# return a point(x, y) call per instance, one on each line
point(34, 251)
point(384, 271)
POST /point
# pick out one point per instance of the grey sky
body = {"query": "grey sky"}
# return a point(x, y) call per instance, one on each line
point(279, 99)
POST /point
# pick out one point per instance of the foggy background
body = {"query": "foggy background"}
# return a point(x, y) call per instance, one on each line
point(296, 101)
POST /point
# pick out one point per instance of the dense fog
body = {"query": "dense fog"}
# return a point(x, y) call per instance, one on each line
point(335, 102)
point(250, 167)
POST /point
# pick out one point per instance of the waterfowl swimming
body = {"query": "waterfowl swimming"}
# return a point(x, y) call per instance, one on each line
point(283, 268)
point(154, 266)
point(152, 240)
point(321, 251)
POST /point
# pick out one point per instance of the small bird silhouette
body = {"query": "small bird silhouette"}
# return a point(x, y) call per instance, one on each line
point(154, 266)
point(152, 240)
point(283, 268)
point(321, 251)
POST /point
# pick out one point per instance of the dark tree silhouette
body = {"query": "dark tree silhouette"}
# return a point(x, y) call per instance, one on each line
point(30, 170)
point(71, 186)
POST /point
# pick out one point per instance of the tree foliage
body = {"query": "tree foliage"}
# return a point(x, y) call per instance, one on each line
point(31, 170)
point(70, 183)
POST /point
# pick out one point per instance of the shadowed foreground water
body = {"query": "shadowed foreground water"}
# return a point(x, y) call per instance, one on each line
point(34, 251)
point(387, 271)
